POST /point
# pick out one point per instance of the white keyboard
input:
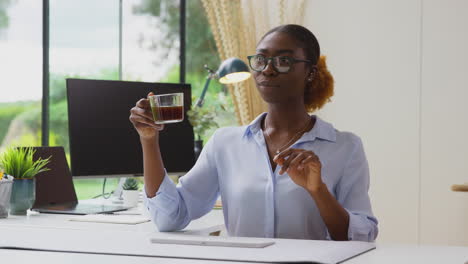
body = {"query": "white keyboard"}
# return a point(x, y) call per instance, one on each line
point(111, 218)
point(214, 241)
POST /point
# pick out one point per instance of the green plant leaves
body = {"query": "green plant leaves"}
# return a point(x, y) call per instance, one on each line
point(202, 119)
point(18, 162)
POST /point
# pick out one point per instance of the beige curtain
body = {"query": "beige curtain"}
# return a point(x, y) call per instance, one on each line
point(237, 26)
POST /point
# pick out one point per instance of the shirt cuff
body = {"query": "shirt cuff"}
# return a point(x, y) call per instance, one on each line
point(361, 227)
point(166, 195)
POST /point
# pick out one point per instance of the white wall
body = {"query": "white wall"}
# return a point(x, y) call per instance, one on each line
point(399, 68)
point(444, 138)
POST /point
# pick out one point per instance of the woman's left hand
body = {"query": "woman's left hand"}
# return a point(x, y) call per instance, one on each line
point(303, 167)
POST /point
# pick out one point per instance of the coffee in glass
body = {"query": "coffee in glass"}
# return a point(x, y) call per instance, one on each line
point(167, 108)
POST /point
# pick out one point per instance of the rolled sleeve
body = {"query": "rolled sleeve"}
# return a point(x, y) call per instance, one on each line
point(165, 209)
point(352, 194)
point(174, 207)
point(362, 227)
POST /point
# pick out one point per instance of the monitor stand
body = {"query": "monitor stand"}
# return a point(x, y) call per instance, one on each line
point(117, 194)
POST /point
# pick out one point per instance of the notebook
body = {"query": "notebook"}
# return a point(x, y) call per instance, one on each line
point(55, 192)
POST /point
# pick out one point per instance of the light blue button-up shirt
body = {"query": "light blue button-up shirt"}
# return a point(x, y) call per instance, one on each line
point(259, 202)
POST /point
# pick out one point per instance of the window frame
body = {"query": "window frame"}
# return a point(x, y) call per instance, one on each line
point(45, 114)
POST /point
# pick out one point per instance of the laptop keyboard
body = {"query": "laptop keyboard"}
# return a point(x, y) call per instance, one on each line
point(81, 209)
point(96, 208)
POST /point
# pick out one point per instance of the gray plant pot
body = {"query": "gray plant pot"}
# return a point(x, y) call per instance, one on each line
point(5, 193)
point(23, 195)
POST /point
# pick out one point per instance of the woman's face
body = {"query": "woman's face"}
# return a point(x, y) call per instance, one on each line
point(275, 87)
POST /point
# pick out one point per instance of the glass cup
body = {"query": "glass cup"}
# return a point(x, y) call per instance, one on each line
point(167, 108)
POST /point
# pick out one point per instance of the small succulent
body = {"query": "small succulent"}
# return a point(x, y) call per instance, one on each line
point(130, 184)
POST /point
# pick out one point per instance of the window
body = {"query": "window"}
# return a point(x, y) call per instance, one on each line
point(150, 40)
point(93, 39)
point(200, 51)
point(21, 68)
point(135, 40)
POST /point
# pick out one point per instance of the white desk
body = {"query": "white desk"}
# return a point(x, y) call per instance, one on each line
point(26, 256)
point(391, 254)
point(414, 254)
point(38, 228)
point(210, 223)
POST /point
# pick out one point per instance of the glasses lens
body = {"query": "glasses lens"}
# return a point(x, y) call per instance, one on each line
point(257, 62)
point(282, 64)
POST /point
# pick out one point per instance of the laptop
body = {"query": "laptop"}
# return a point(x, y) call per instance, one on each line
point(55, 192)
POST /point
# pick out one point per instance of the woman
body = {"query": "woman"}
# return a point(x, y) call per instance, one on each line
point(287, 174)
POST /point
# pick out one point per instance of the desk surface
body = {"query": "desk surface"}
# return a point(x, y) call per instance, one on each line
point(414, 254)
point(391, 254)
point(27, 256)
point(41, 224)
point(212, 222)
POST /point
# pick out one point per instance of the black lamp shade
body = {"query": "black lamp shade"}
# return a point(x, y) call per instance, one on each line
point(233, 70)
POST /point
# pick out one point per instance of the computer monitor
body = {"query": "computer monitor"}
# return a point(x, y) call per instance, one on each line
point(103, 142)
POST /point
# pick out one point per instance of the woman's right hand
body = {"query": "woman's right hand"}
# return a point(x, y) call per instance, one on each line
point(142, 119)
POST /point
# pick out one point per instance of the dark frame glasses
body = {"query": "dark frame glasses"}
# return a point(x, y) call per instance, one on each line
point(281, 64)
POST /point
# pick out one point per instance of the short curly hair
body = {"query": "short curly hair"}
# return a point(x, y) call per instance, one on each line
point(318, 92)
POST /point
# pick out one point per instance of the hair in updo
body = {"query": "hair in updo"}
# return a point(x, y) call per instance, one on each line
point(319, 91)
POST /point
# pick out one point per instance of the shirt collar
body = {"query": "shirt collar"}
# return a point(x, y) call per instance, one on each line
point(322, 130)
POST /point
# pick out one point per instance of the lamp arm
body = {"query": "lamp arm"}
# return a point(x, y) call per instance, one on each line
point(205, 88)
point(211, 75)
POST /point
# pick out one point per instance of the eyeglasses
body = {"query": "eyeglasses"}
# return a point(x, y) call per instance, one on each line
point(281, 64)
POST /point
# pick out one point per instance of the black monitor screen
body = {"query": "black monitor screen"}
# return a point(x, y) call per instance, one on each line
point(103, 142)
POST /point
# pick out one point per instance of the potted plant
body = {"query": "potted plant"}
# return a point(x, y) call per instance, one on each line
point(130, 192)
point(6, 182)
point(202, 119)
point(205, 119)
point(18, 162)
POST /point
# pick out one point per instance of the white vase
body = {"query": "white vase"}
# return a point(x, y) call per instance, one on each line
point(130, 197)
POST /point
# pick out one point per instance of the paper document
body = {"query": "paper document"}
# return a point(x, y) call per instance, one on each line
point(212, 241)
point(111, 218)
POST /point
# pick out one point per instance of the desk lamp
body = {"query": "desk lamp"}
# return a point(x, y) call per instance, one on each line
point(232, 70)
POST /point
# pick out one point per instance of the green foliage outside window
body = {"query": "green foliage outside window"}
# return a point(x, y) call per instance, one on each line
point(8, 111)
point(4, 4)
point(218, 109)
point(200, 47)
point(29, 113)
point(200, 50)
